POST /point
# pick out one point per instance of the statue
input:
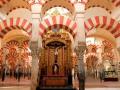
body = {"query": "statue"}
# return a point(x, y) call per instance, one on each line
point(56, 54)
point(55, 68)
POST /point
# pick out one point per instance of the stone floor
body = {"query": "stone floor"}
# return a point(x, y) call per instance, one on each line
point(14, 82)
point(96, 83)
point(15, 88)
point(28, 88)
point(91, 84)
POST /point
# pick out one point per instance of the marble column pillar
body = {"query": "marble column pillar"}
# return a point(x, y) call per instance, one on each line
point(34, 70)
point(81, 70)
point(4, 54)
point(116, 55)
point(36, 41)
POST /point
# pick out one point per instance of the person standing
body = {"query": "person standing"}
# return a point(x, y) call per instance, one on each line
point(101, 75)
point(0, 72)
point(19, 73)
point(3, 73)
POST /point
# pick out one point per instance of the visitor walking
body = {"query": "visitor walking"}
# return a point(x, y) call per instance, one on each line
point(18, 73)
point(101, 75)
point(3, 73)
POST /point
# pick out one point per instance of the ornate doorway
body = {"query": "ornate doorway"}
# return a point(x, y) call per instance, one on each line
point(55, 61)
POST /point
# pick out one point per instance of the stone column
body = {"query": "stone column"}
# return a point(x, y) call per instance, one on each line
point(35, 59)
point(79, 19)
point(4, 53)
point(118, 66)
point(80, 43)
point(81, 70)
point(116, 55)
point(36, 41)
point(0, 43)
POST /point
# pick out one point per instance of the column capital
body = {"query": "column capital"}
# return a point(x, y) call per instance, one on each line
point(34, 47)
point(118, 50)
point(82, 44)
point(80, 48)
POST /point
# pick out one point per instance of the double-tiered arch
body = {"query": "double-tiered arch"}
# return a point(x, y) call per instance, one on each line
point(58, 22)
point(15, 23)
point(104, 22)
point(58, 3)
point(7, 6)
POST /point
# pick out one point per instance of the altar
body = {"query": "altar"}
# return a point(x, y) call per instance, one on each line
point(55, 63)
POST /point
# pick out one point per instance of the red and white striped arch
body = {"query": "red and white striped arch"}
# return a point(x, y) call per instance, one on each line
point(58, 22)
point(103, 22)
point(14, 23)
point(116, 2)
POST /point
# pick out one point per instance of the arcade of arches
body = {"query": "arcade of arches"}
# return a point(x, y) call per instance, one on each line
point(58, 42)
